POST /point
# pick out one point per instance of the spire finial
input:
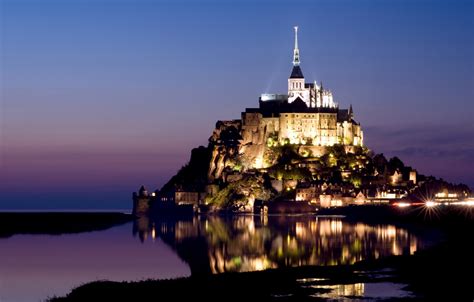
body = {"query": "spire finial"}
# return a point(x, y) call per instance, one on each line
point(296, 51)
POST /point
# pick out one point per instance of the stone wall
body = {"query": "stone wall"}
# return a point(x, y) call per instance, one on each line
point(313, 131)
point(141, 205)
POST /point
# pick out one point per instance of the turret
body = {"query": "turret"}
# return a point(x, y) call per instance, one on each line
point(141, 202)
point(142, 192)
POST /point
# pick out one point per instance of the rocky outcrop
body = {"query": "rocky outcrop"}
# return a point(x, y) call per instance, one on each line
point(240, 195)
point(224, 144)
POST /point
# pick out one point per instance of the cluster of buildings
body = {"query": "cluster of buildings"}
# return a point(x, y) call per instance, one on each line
point(329, 195)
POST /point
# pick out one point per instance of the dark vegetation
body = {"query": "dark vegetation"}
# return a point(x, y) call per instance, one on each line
point(58, 223)
point(192, 176)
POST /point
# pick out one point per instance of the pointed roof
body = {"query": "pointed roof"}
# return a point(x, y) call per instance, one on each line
point(298, 105)
point(296, 73)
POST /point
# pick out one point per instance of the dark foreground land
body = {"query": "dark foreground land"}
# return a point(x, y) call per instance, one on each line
point(58, 223)
point(440, 273)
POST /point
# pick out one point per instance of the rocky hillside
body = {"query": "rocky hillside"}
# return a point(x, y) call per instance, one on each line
point(227, 172)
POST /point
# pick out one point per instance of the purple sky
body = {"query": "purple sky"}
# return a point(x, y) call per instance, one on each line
point(98, 97)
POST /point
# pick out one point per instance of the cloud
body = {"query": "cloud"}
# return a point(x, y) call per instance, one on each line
point(429, 137)
point(467, 153)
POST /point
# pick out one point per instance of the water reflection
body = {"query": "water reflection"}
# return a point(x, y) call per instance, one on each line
point(341, 290)
point(250, 243)
point(361, 291)
point(33, 267)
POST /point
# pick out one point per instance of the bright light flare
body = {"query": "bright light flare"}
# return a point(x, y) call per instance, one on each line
point(431, 204)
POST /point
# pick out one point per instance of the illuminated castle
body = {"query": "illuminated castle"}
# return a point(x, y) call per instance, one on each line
point(300, 141)
point(307, 116)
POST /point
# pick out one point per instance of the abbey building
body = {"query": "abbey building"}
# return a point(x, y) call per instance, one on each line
point(307, 115)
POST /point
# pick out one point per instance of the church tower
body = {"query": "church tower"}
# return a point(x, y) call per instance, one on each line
point(296, 87)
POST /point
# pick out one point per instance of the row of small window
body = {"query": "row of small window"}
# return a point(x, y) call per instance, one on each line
point(297, 85)
point(305, 115)
point(323, 127)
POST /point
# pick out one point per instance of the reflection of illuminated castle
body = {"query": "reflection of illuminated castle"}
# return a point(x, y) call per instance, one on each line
point(251, 243)
point(306, 115)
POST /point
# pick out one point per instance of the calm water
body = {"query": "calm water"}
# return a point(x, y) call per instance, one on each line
point(33, 267)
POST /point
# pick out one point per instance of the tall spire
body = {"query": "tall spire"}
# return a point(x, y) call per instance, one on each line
point(296, 72)
point(296, 51)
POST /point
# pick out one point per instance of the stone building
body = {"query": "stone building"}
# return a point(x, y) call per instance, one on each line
point(308, 193)
point(307, 115)
point(189, 197)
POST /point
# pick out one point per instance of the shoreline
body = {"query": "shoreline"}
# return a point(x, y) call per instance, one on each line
point(57, 223)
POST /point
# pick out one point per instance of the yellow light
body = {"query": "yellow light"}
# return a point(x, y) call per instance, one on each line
point(431, 203)
point(259, 162)
point(403, 204)
point(259, 265)
point(153, 233)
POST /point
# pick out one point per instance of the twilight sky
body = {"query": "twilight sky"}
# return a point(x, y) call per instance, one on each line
point(100, 96)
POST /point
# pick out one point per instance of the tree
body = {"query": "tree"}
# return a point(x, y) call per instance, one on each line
point(193, 175)
point(380, 162)
point(395, 163)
